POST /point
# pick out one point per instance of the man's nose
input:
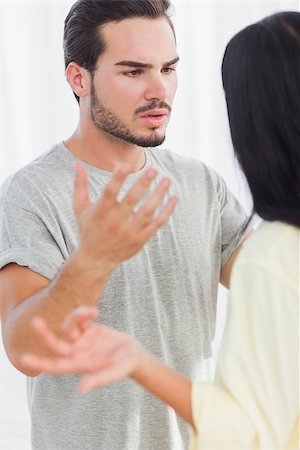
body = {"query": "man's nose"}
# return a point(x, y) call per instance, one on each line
point(156, 89)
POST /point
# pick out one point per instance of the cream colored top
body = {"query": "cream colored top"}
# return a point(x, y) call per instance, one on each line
point(254, 402)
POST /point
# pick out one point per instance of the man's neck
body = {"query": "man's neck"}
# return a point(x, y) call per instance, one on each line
point(104, 151)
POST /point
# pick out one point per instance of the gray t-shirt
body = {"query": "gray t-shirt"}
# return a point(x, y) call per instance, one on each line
point(165, 296)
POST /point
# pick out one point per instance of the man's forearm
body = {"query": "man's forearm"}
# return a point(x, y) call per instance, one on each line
point(110, 232)
point(78, 282)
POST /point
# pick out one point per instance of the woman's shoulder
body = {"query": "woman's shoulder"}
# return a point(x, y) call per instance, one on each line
point(274, 248)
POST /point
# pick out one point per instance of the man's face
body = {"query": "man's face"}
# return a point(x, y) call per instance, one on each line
point(135, 82)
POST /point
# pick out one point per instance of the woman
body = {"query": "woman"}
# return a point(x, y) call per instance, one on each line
point(254, 401)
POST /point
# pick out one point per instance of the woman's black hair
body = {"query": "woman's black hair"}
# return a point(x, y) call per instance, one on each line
point(261, 80)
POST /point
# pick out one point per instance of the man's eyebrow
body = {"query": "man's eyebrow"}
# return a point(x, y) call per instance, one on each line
point(137, 64)
point(171, 63)
point(134, 64)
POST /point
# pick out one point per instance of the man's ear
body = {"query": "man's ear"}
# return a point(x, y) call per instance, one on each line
point(79, 79)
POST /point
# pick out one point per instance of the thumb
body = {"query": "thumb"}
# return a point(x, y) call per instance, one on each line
point(81, 198)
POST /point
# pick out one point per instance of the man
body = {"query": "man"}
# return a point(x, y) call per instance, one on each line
point(121, 65)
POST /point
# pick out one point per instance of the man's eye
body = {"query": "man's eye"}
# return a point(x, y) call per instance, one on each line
point(133, 73)
point(168, 69)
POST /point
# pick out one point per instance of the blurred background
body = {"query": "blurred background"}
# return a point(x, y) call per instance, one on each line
point(37, 109)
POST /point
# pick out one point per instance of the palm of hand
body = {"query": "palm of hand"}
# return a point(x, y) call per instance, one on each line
point(98, 348)
point(103, 354)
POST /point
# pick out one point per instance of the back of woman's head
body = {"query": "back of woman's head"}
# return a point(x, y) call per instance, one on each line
point(261, 79)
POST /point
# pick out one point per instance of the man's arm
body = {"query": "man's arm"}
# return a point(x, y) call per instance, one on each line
point(110, 232)
point(25, 293)
point(227, 268)
point(106, 356)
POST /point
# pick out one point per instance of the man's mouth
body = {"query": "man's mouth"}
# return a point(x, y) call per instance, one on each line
point(156, 117)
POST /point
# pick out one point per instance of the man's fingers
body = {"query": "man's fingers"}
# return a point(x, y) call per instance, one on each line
point(81, 190)
point(160, 220)
point(112, 189)
point(137, 191)
point(147, 211)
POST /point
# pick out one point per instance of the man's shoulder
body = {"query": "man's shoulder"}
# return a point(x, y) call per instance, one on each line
point(170, 156)
point(36, 176)
point(182, 165)
point(192, 173)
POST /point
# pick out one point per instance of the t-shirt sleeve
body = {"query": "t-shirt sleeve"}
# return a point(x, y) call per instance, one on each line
point(233, 218)
point(26, 241)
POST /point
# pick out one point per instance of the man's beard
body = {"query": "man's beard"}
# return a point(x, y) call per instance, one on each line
point(107, 121)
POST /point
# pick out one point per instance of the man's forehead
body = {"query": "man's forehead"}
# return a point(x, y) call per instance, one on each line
point(137, 39)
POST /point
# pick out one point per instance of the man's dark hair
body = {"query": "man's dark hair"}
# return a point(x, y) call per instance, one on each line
point(83, 43)
point(261, 79)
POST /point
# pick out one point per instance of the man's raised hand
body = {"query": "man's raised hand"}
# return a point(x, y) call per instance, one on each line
point(112, 231)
